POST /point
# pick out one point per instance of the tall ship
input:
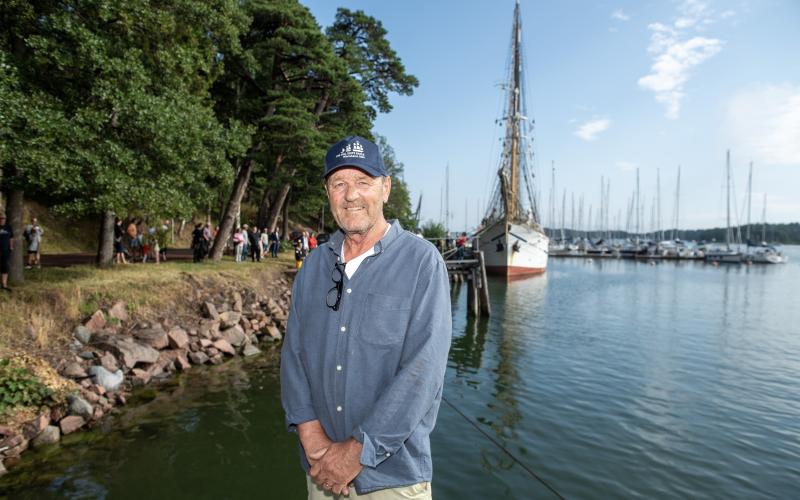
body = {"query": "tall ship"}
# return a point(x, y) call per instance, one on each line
point(511, 236)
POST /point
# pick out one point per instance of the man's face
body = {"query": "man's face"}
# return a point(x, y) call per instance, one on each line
point(357, 199)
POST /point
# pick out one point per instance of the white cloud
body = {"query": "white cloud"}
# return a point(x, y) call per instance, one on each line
point(588, 131)
point(620, 15)
point(627, 166)
point(765, 121)
point(675, 52)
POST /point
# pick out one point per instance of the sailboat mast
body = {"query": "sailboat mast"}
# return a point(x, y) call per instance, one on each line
point(677, 204)
point(659, 230)
point(638, 218)
point(728, 197)
point(514, 117)
point(749, 200)
point(764, 220)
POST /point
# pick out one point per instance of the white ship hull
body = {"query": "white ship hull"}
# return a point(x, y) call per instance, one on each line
point(522, 250)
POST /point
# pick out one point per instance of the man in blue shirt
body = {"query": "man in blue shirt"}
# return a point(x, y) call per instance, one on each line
point(363, 361)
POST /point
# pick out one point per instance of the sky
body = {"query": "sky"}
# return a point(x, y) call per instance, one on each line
point(612, 86)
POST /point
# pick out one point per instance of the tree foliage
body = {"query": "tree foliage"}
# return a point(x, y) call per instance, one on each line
point(108, 104)
point(155, 107)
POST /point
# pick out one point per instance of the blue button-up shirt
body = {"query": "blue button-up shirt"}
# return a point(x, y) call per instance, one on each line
point(374, 369)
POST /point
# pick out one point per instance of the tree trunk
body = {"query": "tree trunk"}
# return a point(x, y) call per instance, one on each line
point(105, 240)
point(231, 209)
point(277, 206)
point(263, 208)
point(286, 218)
point(14, 208)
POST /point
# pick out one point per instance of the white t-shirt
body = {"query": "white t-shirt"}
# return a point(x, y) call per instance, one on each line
point(352, 264)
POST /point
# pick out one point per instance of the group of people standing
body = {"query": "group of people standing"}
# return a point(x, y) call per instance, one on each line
point(135, 241)
point(257, 243)
point(32, 233)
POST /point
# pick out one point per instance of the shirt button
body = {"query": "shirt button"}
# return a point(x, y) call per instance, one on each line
point(344, 328)
point(338, 368)
point(338, 408)
point(388, 455)
point(349, 290)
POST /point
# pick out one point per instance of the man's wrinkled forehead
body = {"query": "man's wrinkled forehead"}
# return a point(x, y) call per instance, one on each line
point(349, 172)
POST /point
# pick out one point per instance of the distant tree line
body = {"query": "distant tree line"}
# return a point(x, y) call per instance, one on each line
point(169, 109)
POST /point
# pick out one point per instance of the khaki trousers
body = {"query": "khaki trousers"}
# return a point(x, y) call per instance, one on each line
point(419, 491)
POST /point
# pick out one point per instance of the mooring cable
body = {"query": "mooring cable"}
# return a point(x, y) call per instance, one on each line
point(504, 449)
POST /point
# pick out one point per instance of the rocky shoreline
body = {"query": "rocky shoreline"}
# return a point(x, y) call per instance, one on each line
point(111, 354)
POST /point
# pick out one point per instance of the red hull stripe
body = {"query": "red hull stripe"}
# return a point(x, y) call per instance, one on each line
point(513, 270)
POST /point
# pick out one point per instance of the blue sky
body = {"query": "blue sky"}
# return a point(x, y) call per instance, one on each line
point(612, 85)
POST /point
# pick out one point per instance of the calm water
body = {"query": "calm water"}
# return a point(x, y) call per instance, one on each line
point(610, 379)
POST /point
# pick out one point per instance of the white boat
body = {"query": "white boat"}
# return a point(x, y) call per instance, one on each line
point(726, 254)
point(512, 238)
point(766, 255)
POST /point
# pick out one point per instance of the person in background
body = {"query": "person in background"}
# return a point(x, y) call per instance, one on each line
point(274, 243)
point(246, 242)
point(197, 243)
point(299, 251)
point(6, 247)
point(461, 245)
point(33, 237)
point(119, 234)
point(238, 245)
point(264, 244)
point(255, 244)
point(151, 245)
point(133, 240)
point(208, 235)
point(312, 242)
point(163, 240)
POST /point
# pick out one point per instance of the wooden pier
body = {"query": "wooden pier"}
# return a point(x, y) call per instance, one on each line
point(472, 272)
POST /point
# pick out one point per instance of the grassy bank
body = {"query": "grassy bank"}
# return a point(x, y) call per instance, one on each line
point(38, 317)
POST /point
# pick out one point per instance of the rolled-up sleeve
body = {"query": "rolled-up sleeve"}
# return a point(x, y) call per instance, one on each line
point(295, 388)
point(417, 386)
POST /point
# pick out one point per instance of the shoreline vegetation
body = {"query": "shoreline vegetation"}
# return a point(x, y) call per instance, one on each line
point(77, 341)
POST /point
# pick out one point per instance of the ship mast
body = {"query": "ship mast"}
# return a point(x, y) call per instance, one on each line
point(511, 186)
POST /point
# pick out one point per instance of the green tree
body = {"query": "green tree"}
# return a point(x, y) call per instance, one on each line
point(399, 204)
point(120, 98)
point(360, 40)
point(433, 229)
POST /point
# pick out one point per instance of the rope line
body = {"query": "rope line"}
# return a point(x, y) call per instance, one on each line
point(504, 449)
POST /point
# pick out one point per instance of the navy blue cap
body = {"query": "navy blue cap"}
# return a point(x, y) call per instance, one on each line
point(355, 151)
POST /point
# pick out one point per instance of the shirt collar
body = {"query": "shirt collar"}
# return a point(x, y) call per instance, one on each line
point(395, 229)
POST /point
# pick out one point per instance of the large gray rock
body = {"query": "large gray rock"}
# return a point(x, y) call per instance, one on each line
point(79, 406)
point(109, 362)
point(71, 424)
point(82, 334)
point(75, 370)
point(50, 435)
point(129, 351)
point(198, 358)
point(225, 346)
point(234, 335)
point(229, 318)
point(178, 339)
point(273, 332)
point(211, 310)
point(154, 337)
point(107, 380)
point(250, 350)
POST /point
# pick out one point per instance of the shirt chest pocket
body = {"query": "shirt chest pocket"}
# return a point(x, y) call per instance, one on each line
point(384, 319)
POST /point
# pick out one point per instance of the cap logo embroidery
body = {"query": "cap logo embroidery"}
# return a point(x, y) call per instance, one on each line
point(354, 150)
